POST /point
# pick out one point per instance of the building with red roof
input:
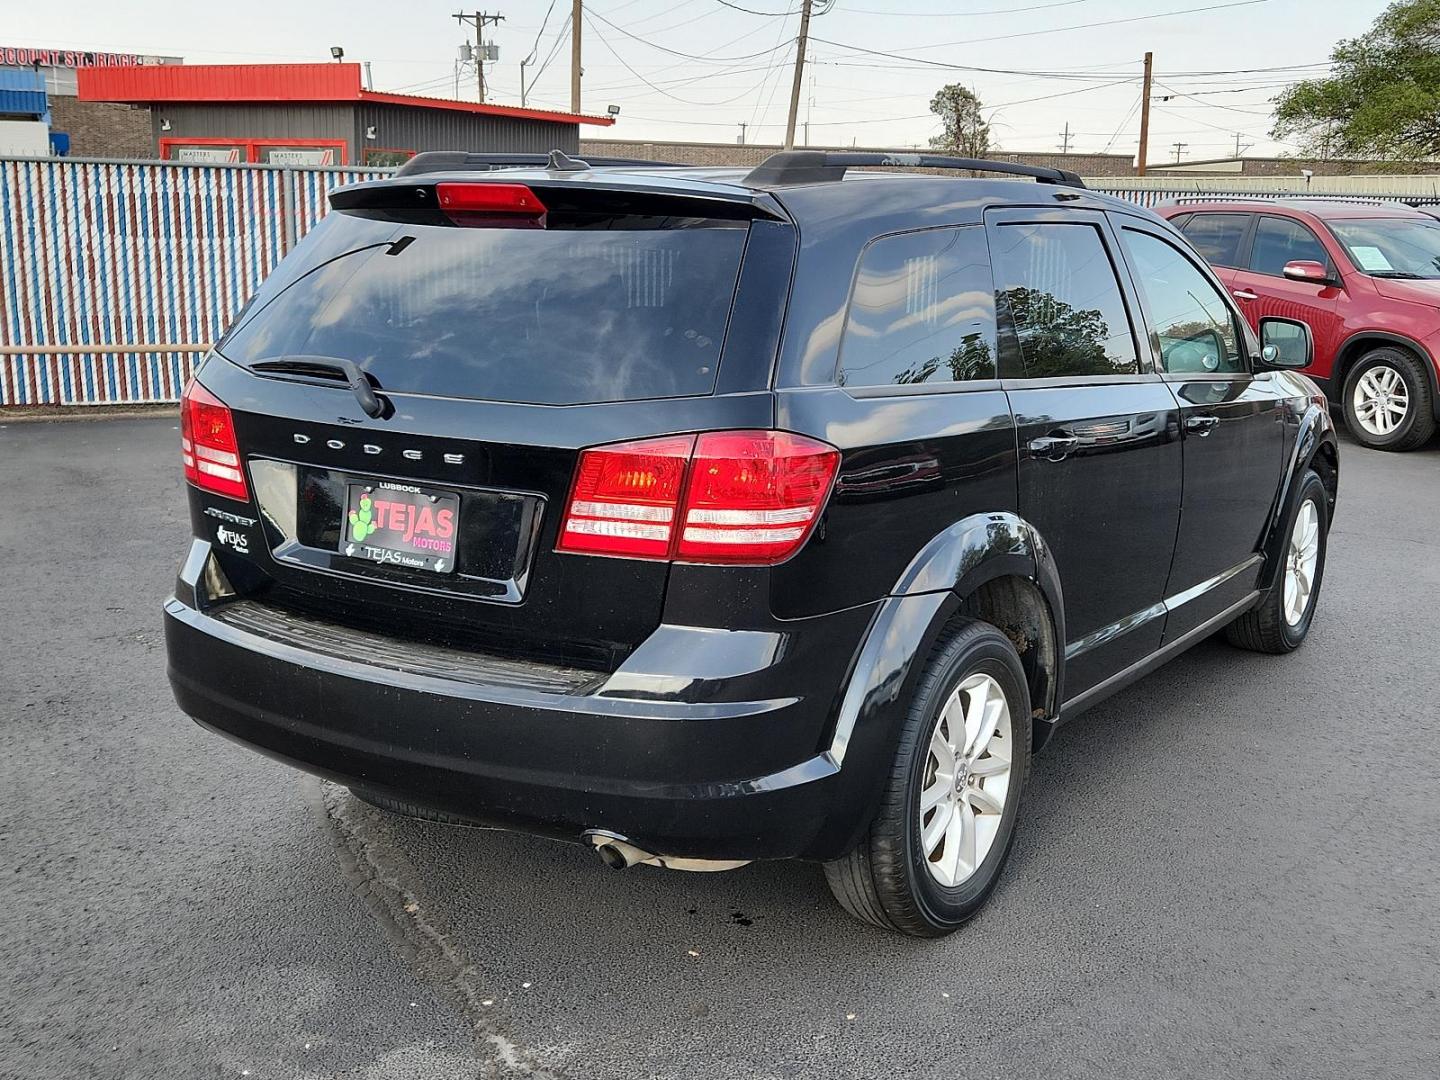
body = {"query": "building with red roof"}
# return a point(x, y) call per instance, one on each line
point(315, 114)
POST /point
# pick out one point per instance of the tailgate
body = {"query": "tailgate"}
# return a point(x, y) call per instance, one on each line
point(500, 347)
point(507, 590)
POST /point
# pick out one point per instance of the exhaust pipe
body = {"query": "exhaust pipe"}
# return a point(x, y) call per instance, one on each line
point(618, 853)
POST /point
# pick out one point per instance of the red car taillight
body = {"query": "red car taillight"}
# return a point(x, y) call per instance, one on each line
point(748, 497)
point(207, 444)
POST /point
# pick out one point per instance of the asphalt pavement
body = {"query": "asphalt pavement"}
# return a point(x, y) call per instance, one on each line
point(1231, 869)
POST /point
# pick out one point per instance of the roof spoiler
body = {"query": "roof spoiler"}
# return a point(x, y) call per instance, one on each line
point(432, 161)
point(823, 166)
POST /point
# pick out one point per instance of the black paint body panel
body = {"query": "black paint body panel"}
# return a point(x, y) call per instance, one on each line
point(722, 711)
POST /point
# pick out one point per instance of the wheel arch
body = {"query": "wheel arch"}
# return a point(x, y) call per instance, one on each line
point(1000, 569)
point(1363, 341)
point(1315, 446)
point(994, 567)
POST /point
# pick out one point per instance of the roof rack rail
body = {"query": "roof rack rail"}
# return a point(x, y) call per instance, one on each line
point(431, 161)
point(820, 166)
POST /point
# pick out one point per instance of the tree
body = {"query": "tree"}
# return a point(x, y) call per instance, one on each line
point(1059, 339)
point(966, 132)
point(1382, 97)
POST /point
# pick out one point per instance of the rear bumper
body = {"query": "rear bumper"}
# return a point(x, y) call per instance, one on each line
point(686, 773)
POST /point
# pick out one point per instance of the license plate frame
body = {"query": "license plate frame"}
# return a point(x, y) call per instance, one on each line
point(404, 526)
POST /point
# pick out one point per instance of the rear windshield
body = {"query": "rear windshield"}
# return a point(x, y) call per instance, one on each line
point(608, 309)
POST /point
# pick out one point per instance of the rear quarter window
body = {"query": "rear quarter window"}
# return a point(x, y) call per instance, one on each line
point(922, 312)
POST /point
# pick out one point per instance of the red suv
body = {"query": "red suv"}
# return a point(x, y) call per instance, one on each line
point(1364, 277)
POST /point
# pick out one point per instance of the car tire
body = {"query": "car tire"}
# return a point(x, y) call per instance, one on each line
point(1281, 621)
point(894, 878)
point(1382, 382)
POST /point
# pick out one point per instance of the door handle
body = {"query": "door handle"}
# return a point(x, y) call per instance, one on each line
point(1053, 447)
point(1244, 294)
point(1202, 425)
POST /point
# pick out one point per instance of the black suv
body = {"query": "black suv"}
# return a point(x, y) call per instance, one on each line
point(703, 516)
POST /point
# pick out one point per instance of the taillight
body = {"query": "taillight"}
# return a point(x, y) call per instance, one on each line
point(722, 497)
point(753, 496)
point(490, 204)
point(207, 444)
point(625, 498)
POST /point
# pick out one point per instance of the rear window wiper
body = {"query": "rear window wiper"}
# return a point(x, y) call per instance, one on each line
point(329, 367)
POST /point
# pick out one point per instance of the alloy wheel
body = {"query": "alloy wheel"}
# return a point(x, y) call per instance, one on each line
point(1300, 561)
point(967, 776)
point(1380, 400)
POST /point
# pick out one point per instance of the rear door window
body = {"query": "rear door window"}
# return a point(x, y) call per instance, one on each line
point(1217, 236)
point(1278, 241)
point(614, 308)
point(1060, 289)
point(922, 312)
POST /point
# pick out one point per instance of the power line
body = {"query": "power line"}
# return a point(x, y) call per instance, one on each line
point(778, 72)
point(692, 56)
point(540, 33)
point(1251, 71)
point(686, 80)
point(665, 93)
point(1061, 29)
point(554, 49)
point(1064, 93)
point(965, 67)
point(1213, 104)
point(752, 11)
point(960, 14)
point(1124, 120)
point(663, 13)
point(672, 26)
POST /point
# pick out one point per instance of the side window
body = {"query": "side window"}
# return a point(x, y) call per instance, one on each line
point(1059, 286)
point(1216, 236)
point(1196, 329)
point(1278, 241)
point(923, 311)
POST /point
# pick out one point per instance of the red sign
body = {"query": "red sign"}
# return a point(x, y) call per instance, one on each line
point(61, 58)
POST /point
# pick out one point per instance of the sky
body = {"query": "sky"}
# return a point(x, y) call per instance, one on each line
point(696, 70)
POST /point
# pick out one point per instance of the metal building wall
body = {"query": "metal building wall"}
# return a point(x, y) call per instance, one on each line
point(119, 275)
point(399, 127)
point(241, 120)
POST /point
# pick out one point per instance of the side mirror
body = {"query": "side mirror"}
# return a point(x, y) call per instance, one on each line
point(1307, 270)
point(1285, 343)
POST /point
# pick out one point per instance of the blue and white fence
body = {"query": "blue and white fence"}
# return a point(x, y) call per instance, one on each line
point(115, 277)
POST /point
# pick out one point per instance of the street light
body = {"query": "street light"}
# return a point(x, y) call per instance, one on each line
point(613, 110)
point(337, 53)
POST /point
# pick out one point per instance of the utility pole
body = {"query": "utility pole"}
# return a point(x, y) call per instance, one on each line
point(743, 126)
point(1179, 148)
point(799, 74)
point(1145, 116)
point(1238, 148)
point(576, 15)
point(479, 20)
point(1065, 139)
